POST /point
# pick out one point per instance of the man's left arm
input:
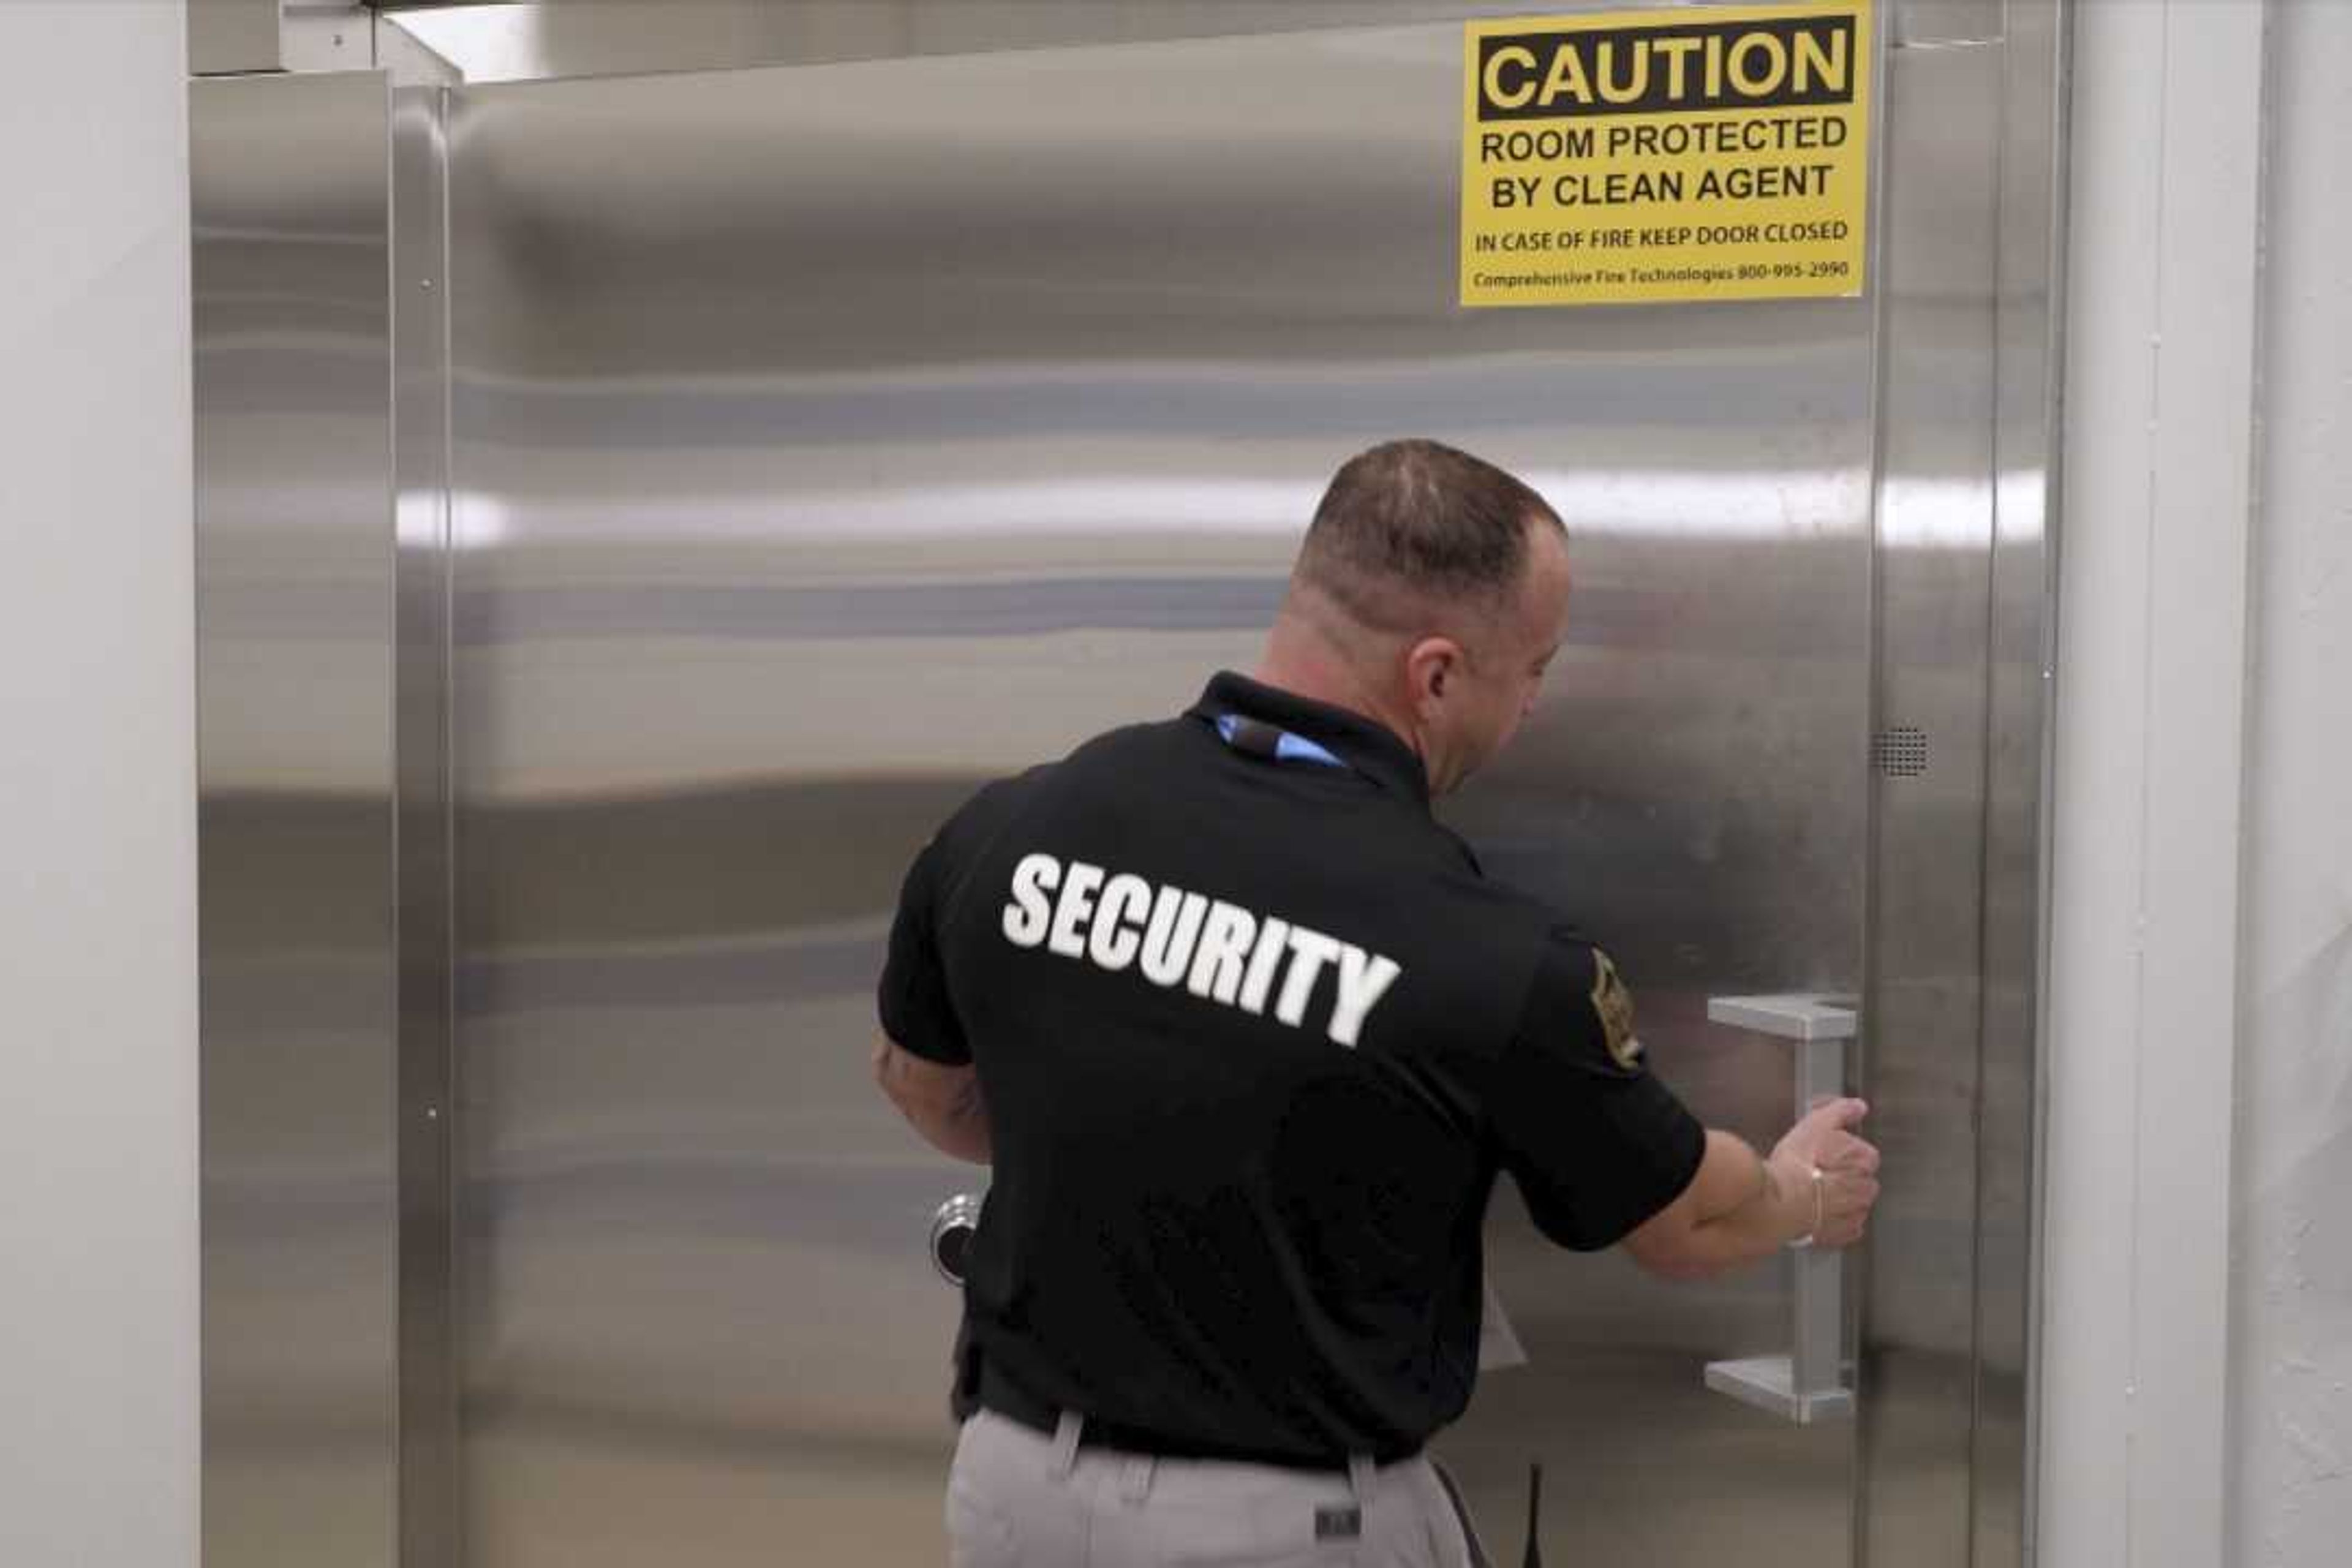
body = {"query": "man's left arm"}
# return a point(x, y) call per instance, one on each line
point(923, 1060)
point(941, 1103)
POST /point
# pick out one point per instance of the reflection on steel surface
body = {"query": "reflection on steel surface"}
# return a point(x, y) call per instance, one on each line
point(294, 574)
point(427, 1091)
point(829, 441)
point(1923, 1062)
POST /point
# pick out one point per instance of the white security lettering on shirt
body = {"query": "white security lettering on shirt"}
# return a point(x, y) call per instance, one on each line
point(1217, 951)
point(1364, 979)
point(1025, 915)
point(1310, 951)
point(1077, 905)
point(1225, 941)
point(1273, 942)
point(1114, 943)
point(1168, 942)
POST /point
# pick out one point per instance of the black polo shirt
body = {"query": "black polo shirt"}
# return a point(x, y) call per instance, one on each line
point(1254, 1035)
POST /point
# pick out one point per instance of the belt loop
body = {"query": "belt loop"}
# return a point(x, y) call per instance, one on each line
point(1066, 1433)
point(1136, 1476)
point(1359, 1478)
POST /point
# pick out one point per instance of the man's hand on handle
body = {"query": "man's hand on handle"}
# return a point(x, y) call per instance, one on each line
point(1824, 1142)
point(1741, 1208)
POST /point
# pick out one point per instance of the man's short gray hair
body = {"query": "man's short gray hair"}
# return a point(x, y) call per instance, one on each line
point(1419, 519)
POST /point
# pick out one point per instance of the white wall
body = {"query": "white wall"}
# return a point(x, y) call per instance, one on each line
point(2198, 1303)
point(97, 1028)
point(2290, 1269)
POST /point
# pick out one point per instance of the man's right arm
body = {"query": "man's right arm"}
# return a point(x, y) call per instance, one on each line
point(1604, 1153)
point(1742, 1207)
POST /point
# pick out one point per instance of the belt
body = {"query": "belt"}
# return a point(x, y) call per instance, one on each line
point(1015, 1404)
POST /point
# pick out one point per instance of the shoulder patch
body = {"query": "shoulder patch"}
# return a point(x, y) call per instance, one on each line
point(1613, 1005)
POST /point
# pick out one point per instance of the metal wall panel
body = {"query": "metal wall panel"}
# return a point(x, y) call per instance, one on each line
point(428, 1335)
point(233, 36)
point(818, 459)
point(2021, 634)
point(545, 39)
point(828, 441)
point(293, 389)
point(558, 38)
point(1924, 998)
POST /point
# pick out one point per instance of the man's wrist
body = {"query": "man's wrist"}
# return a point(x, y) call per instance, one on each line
point(1795, 1188)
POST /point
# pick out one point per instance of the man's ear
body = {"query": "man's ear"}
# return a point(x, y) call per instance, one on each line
point(1431, 665)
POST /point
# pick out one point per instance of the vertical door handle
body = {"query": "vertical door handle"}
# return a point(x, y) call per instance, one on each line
point(1810, 1383)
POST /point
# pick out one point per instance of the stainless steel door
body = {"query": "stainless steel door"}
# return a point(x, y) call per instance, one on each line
point(774, 456)
point(834, 440)
point(829, 440)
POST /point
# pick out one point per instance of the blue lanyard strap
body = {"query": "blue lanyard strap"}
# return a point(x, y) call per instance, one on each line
point(1261, 739)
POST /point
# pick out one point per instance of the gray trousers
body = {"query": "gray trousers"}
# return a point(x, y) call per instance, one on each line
point(1018, 1498)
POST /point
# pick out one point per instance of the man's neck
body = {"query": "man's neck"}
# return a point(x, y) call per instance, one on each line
point(1299, 661)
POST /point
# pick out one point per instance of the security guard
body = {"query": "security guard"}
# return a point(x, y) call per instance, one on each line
point(1247, 1036)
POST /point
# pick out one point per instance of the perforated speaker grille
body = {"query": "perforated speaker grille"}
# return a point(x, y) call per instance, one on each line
point(1900, 752)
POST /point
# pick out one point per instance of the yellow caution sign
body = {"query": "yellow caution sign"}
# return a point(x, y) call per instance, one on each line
point(1716, 153)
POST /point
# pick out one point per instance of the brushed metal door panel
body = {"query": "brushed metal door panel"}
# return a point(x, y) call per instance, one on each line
point(292, 224)
point(829, 440)
point(1929, 928)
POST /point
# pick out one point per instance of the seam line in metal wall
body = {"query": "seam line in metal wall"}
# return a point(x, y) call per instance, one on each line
point(1873, 720)
point(2053, 490)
